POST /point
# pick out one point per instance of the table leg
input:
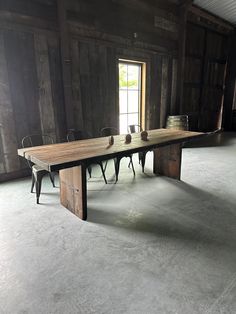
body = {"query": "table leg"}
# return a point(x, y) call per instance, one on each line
point(167, 161)
point(73, 190)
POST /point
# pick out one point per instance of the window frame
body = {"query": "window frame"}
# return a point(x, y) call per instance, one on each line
point(141, 89)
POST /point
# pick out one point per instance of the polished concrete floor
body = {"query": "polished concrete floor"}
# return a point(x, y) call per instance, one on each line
point(150, 245)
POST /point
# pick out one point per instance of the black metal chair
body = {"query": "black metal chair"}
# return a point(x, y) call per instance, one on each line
point(37, 172)
point(76, 135)
point(108, 131)
point(135, 128)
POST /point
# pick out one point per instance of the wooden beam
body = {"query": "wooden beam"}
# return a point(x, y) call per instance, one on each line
point(151, 6)
point(167, 161)
point(183, 11)
point(73, 190)
point(230, 86)
point(211, 17)
point(187, 3)
point(66, 63)
point(21, 21)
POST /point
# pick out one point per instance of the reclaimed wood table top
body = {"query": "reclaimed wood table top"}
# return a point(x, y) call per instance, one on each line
point(65, 155)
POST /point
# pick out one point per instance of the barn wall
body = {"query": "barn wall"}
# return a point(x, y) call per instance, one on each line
point(31, 73)
point(100, 35)
point(31, 99)
point(206, 56)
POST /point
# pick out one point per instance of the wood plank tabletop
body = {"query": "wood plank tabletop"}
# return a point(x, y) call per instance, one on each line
point(64, 155)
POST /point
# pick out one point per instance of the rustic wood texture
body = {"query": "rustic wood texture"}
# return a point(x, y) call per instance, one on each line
point(204, 77)
point(165, 90)
point(57, 88)
point(46, 106)
point(65, 155)
point(76, 86)
point(230, 88)
point(33, 63)
point(155, 92)
point(38, 8)
point(167, 161)
point(23, 82)
point(65, 63)
point(71, 159)
point(205, 19)
point(8, 139)
point(122, 20)
point(183, 10)
point(73, 192)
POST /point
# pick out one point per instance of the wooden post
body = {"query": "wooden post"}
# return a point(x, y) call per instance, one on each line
point(230, 86)
point(167, 161)
point(73, 190)
point(183, 11)
point(66, 63)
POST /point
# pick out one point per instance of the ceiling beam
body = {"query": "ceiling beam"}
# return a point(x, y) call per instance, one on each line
point(185, 3)
point(211, 17)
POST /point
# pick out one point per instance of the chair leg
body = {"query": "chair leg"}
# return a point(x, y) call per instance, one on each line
point(89, 171)
point(105, 166)
point(142, 159)
point(131, 162)
point(117, 167)
point(38, 180)
point(52, 177)
point(33, 182)
point(103, 172)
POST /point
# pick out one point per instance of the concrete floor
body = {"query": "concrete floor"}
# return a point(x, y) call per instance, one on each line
point(150, 245)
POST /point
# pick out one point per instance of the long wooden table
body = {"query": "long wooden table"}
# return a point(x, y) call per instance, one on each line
point(71, 160)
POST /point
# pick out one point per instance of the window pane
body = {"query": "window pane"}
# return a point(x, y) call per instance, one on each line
point(123, 75)
point(123, 123)
point(123, 101)
point(133, 101)
point(133, 118)
point(133, 76)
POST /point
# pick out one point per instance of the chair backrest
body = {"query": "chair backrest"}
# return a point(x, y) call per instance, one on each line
point(107, 131)
point(76, 135)
point(36, 140)
point(134, 128)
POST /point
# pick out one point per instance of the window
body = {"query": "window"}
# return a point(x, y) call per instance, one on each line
point(130, 94)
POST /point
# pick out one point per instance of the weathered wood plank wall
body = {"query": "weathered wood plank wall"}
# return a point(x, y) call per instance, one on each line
point(30, 81)
point(120, 29)
point(205, 70)
point(32, 98)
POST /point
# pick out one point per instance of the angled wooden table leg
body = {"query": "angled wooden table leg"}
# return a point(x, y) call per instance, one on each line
point(167, 161)
point(73, 190)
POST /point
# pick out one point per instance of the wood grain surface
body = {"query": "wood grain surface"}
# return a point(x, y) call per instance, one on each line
point(66, 155)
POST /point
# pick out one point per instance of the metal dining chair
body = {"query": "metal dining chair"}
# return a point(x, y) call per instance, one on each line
point(108, 131)
point(37, 172)
point(136, 128)
point(75, 135)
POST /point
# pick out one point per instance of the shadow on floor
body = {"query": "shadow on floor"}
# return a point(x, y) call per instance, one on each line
point(206, 224)
point(214, 140)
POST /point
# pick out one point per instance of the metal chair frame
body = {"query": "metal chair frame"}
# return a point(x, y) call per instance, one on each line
point(74, 135)
point(135, 128)
point(108, 131)
point(37, 172)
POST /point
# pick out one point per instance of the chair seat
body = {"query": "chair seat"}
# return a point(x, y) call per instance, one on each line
point(36, 168)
